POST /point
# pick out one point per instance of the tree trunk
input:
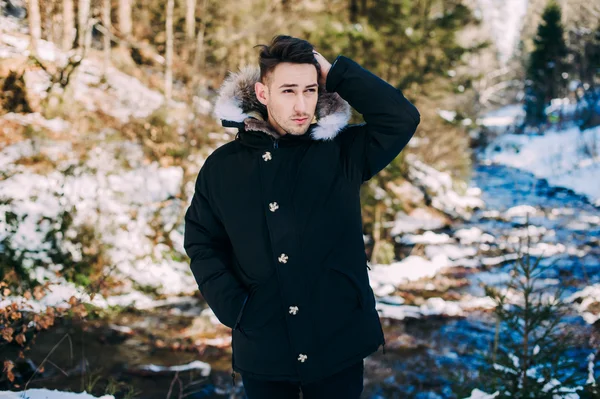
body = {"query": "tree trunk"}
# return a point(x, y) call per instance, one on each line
point(190, 28)
point(169, 51)
point(363, 8)
point(125, 22)
point(106, 23)
point(199, 55)
point(353, 11)
point(47, 14)
point(57, 26)
point(68, 35)
point(83, 16)
point(190, 20)
point(35, 27)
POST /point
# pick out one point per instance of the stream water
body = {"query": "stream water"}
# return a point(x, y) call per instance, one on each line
point(442, 360)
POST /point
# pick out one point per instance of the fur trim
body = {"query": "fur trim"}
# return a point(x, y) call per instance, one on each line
point(237, 102)
point(328, 124)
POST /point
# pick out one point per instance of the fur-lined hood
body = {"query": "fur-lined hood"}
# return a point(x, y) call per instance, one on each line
point(237, 105)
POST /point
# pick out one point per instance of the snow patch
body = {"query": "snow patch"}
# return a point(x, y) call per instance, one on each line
point(567, 158)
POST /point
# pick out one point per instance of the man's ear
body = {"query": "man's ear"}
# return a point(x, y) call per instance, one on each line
point(261, 91)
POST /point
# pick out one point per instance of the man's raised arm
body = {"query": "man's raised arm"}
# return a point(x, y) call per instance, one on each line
point(391, 120)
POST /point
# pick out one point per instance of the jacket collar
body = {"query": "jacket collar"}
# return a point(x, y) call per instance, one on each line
point(237, 106)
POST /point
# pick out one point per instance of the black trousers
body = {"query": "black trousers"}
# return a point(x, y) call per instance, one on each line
point(347, 384)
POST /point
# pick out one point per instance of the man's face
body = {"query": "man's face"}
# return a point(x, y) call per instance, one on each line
point(290, 95)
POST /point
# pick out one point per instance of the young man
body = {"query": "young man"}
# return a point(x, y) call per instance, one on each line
point(274, 230)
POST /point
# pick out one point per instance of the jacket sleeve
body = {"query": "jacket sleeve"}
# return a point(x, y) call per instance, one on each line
point(390, 119)
point(209, 248)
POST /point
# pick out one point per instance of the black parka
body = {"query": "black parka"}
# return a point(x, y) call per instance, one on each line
point(274, 229)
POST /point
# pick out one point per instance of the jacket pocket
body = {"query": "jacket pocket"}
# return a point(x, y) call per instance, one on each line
point(352, 280)
point(239, 317)
point(262, 307)
point(337, 302)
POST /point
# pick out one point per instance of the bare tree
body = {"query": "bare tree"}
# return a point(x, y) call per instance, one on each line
point(190, 28)
point(125, 21)
point(190, 20)
point(50, 21)
point(169, 50)
point(106, 22)
point(83, 16)
point(353, 11)
point(68, 33)
point(199, 55)
point(35, 24)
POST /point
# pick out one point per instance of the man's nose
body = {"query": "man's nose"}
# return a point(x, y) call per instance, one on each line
point(300, 105)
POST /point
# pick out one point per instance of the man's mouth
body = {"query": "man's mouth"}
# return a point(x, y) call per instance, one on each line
point(300, 121)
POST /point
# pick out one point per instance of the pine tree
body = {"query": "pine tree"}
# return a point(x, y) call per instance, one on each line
point(530, 356)
point(547, 62)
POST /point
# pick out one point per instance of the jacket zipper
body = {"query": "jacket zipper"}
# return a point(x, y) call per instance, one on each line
point(275, 143)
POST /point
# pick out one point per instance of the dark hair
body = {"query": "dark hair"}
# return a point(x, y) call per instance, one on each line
point(285, 49)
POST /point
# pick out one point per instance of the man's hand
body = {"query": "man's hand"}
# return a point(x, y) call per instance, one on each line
point(325, 67)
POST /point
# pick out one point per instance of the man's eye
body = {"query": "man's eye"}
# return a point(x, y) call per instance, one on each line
point(287, 91)
point(312, 90)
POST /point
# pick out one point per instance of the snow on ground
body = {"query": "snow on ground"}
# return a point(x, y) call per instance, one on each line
point(520, 211)
point(121, 96)
point(120, 204)
point(439, 187)
point(566, 158)
point(419, 219)
point(473, 235)
point(134, 99)
point(49, 394)
point(429, 237)
point(36, 119)
point(432, 307)
point(412, 268)
point(447, 115)
point(452, 251)
point(503, 117)
point(59, 293)
point(195, 365)
point(116, 198)
point(477, 394)
point(586, 303)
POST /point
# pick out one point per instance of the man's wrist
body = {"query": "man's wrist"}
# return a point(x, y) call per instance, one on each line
point(334, 77)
